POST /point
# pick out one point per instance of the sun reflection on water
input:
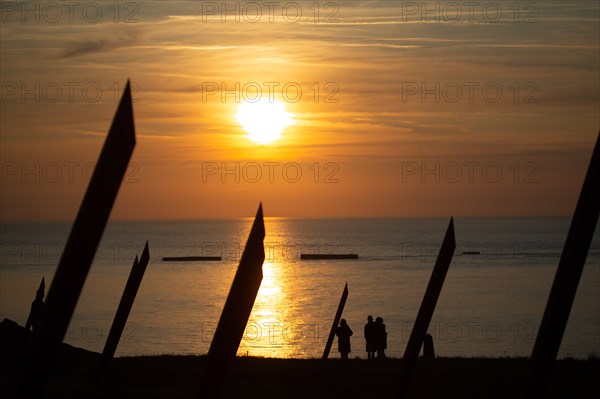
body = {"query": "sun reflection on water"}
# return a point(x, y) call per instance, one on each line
point(275, 327)
point(268, 301)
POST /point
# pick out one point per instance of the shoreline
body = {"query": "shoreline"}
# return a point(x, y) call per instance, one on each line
point(178, 376)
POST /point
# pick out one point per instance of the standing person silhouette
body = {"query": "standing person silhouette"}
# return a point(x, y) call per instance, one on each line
point(344, 332)
point(370, 337)
point(380, 338)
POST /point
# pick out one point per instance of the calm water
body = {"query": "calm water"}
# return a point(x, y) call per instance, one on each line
point(491, 304)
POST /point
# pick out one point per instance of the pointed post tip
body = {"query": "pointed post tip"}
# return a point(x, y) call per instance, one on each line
point(259, 223)
point(127, 91)
point(450, 230)
point(145, 257)
point(123, 122)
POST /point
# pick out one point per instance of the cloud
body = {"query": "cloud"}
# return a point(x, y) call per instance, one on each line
point(101, 44)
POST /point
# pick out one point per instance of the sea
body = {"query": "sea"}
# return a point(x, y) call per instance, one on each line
point(491, 304)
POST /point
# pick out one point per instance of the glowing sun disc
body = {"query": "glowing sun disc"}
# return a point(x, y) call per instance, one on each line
point(264, 120)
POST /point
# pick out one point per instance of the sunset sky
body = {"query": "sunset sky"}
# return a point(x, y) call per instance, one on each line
point(399, 108)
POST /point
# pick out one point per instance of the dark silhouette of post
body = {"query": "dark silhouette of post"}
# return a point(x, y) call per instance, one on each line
point(80, 248)
point(428, 348)
point(566, 279)
point(131, 288)
point(236, 311)
point(37, 307)
point(336, 321)
point(413, 348)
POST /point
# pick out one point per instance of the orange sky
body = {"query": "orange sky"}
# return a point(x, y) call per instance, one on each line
point(403, 111)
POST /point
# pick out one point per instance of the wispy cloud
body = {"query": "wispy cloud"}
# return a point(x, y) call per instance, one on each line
point(101, 44)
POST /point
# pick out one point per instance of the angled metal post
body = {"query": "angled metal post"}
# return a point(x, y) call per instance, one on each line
point(336, 321)
point(80, 248)
point(131, 288)
point(37, 307)
point(566, 279)
point(236, 311)
point(417, 335)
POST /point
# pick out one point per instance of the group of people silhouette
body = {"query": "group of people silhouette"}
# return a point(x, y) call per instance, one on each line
point(375, 337)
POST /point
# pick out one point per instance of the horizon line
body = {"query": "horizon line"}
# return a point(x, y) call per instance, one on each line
point(215, 219)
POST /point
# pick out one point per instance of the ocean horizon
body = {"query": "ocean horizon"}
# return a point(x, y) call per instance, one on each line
point(490, 306)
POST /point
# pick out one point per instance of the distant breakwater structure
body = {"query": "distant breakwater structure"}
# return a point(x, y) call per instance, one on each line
point(191, 259)
point(327, 256)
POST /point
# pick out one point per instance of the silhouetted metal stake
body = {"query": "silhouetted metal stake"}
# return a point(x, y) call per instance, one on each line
point(336, 321)
point(36, 307)
point(80, 248)
point(236, 312)
point(131, 288)
point(413, 348)
point(566, 279)
point(428, 348)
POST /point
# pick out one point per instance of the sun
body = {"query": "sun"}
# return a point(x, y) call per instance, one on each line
point(264, 120)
